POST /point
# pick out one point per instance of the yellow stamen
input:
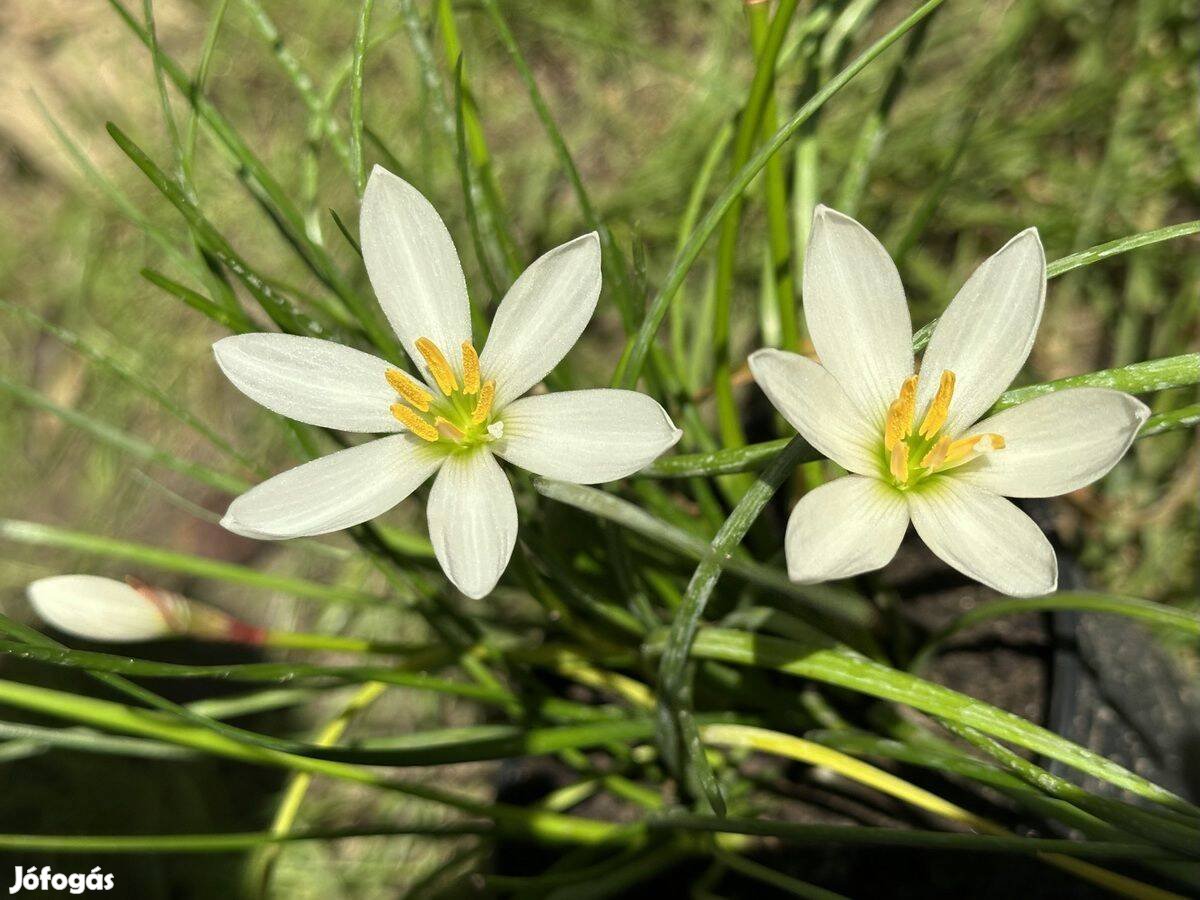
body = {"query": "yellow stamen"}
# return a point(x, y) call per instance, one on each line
point(448, 429)
point(483, 405)
point(409, 389)
point(966, 449)
point(414, 423)
point(937, 454)
point(470, 368)
point(900, 414)
point(894, 432)
point(899, 462)
point(438, 367)
point(940, 407)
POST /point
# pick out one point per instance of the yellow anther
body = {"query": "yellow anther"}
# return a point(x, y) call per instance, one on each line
point(409, 389)
point(483, 405)
point(899, 462)
point(966, 449)
point(447, 429)
point(438, 367)
point(940, 407)
point(900, 414)
point(470, 368)
point(894, 432)
point(937, 454)
point(414, 423)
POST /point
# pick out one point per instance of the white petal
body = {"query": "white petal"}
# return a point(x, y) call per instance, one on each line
point(541, 317)
point(856, 313)
point(1056, 443)
point(336, 491)
point(472, 521)
point(318, 382)
point(816, 406)
point(985, 537)
point(586, 437)
point(845, 527)
point(987, 331)
point(414, 268)
point(98, 609)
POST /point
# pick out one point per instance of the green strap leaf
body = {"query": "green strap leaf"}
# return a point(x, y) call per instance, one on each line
point(822, 660)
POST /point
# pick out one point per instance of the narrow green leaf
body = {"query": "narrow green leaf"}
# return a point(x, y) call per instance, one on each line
point(38, 535)
point(227, 842)
point(616, 267)
point(323, 124)
point(858, 835)
point(758, 100)
point(281, 311)
point(1181, 835)
point(1155, 613)
point(239, 324)
point(675, 691)
point(127, 443)
point(840, 605)
point(1086, 258)
point(356, 94)
point(111, 363)
point(1138, 378)
point(274, 199)
point(85, 741)
point(638, 347)
point(821, 660)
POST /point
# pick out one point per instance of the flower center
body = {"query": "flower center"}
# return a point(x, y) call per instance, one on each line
point(912, 455)
point(461, 415)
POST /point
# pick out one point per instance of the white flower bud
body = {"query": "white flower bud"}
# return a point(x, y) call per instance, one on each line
point(103, 609)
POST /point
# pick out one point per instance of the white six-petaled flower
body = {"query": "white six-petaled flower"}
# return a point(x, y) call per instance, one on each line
point(459, 415)
point(914, 446)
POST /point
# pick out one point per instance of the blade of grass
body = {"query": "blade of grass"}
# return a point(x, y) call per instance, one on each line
point(676, 736)
point(820, 660)
point(125, 442)
point(697, 192)
point(551, 828)
point(1154, 613)
point(858, 835)
point(747, 133)
point(874, 128)
point(638, 347)
point(281, 311)
point(271, 195)
point(844, 606)
point(615, 265)
point(1171, 834)
point(238, 323)
point(34, 534)
point(324, 125)
point(1088, 257)
point(493, 215)
point(143, 385)
point(816, 755)
point(356, 95)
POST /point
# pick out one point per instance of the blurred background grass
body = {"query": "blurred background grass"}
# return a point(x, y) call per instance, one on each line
point(1078, 117)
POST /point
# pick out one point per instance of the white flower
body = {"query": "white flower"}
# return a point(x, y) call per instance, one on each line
point(463, 412)
point(102, 609)
point(913, 445)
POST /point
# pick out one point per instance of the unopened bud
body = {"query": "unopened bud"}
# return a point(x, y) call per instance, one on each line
point(103, 609)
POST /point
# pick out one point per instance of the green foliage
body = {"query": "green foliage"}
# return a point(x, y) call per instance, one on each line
point(635, 618)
